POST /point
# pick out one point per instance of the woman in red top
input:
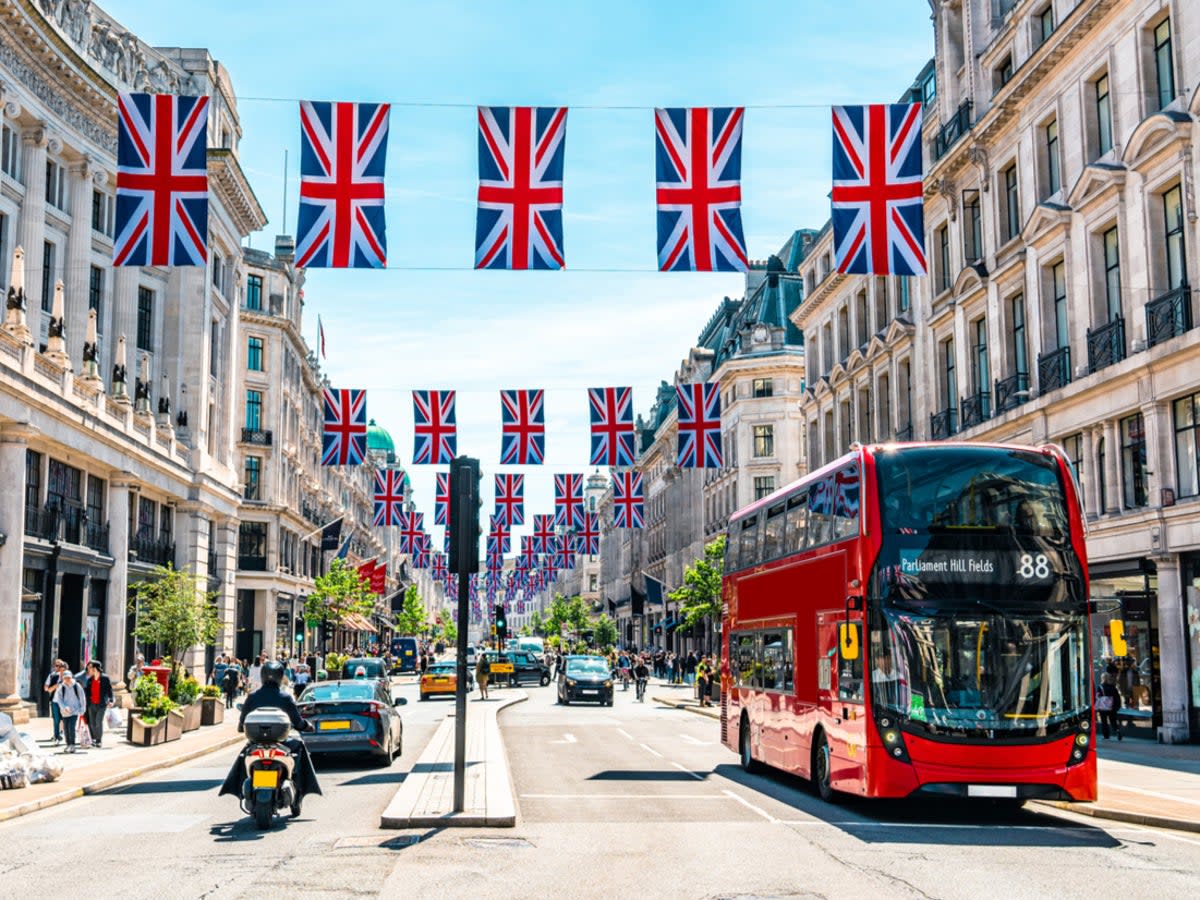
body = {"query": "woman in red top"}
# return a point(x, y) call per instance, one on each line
point(97, 688)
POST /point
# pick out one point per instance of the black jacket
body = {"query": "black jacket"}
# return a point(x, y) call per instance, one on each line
point(271, 696)
point(106, 691)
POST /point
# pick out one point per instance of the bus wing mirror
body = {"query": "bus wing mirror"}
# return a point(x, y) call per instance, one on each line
point(1116, 632)
point(848, 640)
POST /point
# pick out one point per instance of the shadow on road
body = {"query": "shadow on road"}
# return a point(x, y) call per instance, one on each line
point(644, 775)
point(948, 821)
point(378, 778)
point(181, 786)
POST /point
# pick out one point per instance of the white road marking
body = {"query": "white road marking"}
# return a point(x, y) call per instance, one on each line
point(568, 738)
point(652, 750)
point(692, 740)
point(1166, 834)
point(624, 733)
point(746, 803)
point(689, 771)
point(622, 797)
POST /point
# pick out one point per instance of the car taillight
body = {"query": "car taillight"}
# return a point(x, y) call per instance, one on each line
point(372, 710)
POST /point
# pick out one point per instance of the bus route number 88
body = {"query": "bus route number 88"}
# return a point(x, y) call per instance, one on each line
point(1034, 566)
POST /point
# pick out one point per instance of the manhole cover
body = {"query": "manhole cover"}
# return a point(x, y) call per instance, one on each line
point(369, 840)
point(496, 843)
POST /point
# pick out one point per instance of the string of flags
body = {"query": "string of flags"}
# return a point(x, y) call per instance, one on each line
point(162, 186)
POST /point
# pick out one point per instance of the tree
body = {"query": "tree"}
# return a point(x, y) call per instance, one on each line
point(411, 618)
point(174, 610)
point(559, 615)
point(537, 625)
point(578, 615)
point(449, 628)
point(604, 631)
point(700, 594)
point(338, 593)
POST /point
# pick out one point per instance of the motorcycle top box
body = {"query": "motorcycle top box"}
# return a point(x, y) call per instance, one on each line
point(267, 726)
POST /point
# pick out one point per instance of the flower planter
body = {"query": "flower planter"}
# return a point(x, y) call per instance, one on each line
point(143, 734)
point(191, 716)
point(212, 710)
point(174, 720)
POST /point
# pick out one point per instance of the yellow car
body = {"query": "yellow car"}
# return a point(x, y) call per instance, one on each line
point(441, 679)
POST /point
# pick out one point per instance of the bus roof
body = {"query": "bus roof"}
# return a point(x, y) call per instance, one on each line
point(867, 450)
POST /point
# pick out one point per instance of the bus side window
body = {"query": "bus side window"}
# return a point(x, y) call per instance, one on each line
point(845, 502)
point(850, 669)
point(748, 543)
point(797, 522)
point(773, 535)
point(745, 656)
point(731, 551)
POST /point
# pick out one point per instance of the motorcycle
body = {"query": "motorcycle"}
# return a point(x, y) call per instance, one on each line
point(270, 763)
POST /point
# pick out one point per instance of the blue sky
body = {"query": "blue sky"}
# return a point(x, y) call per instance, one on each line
point(432, 321)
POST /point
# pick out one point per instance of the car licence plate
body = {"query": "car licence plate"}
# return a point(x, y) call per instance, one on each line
point(333, 725)
point(264, 778)
point(589, 691)
point(991, 790)
point(441, 681)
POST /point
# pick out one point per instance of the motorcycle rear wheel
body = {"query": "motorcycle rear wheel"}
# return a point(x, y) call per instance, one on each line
point(262, 813)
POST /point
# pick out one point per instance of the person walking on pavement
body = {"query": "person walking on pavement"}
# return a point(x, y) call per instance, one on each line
point(1108, 704)
point(689, 668)
point(135, 672)
point(256, 674)
point(483, 671)
point(217, 675)
point(71, 703)
point(229, 684)
point(50, 685)
point(97, 689)
point(703, 681)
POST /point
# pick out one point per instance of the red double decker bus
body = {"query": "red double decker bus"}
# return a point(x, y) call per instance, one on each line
point(912, 619)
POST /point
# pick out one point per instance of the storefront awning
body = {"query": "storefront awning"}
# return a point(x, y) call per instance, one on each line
point(355, 622)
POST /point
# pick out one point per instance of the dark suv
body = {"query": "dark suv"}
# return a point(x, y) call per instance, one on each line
point(526, 667)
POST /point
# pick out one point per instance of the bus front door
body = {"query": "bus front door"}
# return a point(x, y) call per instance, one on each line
point(840, 694)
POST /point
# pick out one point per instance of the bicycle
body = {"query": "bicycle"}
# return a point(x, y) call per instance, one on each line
point(641, 690)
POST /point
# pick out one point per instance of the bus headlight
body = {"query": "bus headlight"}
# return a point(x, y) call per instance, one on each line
point(890, 737)
point(1081, 739)
point(1085, 725)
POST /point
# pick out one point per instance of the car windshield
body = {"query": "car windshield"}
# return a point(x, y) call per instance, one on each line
point(372, 666)
point(980, 674)
point(587, 667)
point(442, 669)
point(339, 691)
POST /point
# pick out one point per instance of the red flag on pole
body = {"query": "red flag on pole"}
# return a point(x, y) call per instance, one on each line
point(366, 571)
point(379, 579)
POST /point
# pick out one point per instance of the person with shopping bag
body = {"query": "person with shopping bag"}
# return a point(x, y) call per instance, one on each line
point(72, 703)
point(97, 688)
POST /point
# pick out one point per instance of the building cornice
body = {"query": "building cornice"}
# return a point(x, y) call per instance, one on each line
point(232, 188)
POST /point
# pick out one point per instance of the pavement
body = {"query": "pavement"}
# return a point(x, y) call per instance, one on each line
point(1139, 782)
point(426, 797)
point(90, 771)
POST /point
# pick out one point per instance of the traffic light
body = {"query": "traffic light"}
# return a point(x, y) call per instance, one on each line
point(464, 515)
point(501, 623)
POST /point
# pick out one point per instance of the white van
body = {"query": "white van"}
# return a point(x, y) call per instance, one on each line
point(533, 645)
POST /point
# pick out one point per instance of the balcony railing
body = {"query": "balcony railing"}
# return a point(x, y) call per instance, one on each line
point(153, 551)
point(252, 563)
point(1011, 392)
point(1054, 370)
point(1106, 344)
point(905, 433)
point(943, 424)
point(312, 514)
point(96, 536)
point(41, 522)
point(958, 125)
point(255, 436)
point(212, 563)
point(976, 409)
point(1169, 316)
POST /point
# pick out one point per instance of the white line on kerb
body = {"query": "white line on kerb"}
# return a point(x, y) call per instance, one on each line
point(622, 797)
point(652, 750)
point(746, 803)
point(686, 769)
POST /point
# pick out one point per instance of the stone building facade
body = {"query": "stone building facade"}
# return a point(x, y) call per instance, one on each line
point(1061, 232)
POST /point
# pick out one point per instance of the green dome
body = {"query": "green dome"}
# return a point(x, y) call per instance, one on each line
point(380, 441)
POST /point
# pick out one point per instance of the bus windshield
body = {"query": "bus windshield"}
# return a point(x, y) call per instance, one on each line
point(984, 675)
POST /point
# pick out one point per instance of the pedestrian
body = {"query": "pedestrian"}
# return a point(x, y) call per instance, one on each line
point(50, 685)
point(703, 676)
point(135, 672)
point(1108, 704)
point(255, 674)
point(229, 684)
point(689, 668)
point(676, 668)
point(98, 692)
point(483, 671)
point(71, 703)
point(217, 675)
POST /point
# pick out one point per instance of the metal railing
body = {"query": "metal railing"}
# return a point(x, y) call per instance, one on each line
point(905, 433)
point(943, 424)
point(1054, 370)
point(256, 436)
point(1106, 344)
point(252, 563)
point(154, 551)
point(955, 127)
point(976, 408)
point(1011, 392)
point(41, 522)
point(96, 536)
point(1169, 315)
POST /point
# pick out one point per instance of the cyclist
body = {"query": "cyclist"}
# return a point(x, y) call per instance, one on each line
point(641, 675)
point(623, 664)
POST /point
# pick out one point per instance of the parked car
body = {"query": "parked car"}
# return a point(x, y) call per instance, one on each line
point(585, 678)
point(528, 667)
point(441, 680)
point(353, 716)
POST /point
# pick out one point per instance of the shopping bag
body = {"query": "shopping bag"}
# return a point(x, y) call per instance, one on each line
point(82, 734)
point(112, 719)
point(1104, 703)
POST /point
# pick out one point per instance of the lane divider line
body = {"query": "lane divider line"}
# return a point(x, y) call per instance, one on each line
point(624, 733)
point(746, 803)
point(652, 750)
point(686, 769)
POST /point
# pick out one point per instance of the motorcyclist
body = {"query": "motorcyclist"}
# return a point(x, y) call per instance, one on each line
point(641, 675)
point(272, 696)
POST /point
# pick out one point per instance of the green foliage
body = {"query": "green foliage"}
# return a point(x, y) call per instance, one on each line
point(157, 708)
point(411, 618)
point(185, 690)
point(146, 690)
point(553, 642)
point(210, 690)
point(700, 594)
point(338, 593)
point(449, 628)
point(537, 625)
point(604, 631)
point(334, 662)
point(174, 610)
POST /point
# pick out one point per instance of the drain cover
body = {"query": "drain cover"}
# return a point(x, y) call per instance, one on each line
point(370, 840)
point(496, 843)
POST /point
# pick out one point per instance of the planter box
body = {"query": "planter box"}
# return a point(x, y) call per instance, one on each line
point(143, 735)
point(212, 710)
point(191, 716)
point(174, 720)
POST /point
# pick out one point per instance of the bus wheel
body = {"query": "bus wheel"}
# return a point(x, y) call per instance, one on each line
point(821, 767)
point(749, 763)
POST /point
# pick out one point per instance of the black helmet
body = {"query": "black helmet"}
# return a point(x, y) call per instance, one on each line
point(272, 672)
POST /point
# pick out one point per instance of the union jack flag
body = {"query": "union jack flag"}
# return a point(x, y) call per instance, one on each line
point(161, 216)
point(510, 500)
point(344, 435)
point(519, 220)
point(412, 531)
point(495, 562)
point(698, 161)
point(820, 497)
point(498, 540)
point(421, 558)
point(845, 498)
point(439, 567)
point(568, 500)
point(543, 533)
point(611, 411)
point(589, 535)
point(441, 499)
point(435, 426)
point(343, 148)
point(628, 500)
point(389, 497)
point(528, 547)
point(564, 557)
point(523, 428)
point(878, 217)
point(699, 425)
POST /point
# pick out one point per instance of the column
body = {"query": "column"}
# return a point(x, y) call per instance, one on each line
point(76, 270)
point(1157, 427)
point(1112, 468)
point(1172, 643)
point(227, 563)
point(118, 582)
point(13, 440)
point(1092, 501)
point(32, 232)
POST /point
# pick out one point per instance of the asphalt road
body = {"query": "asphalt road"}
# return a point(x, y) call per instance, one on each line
point(633, 801)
